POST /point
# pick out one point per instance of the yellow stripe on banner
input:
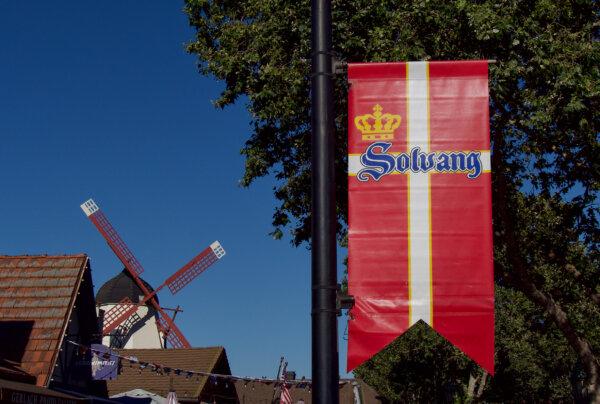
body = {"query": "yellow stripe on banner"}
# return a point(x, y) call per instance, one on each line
point(429, 197)
point(408, 199)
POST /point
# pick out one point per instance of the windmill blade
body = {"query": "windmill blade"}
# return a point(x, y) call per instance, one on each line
point(195, 267)
point(170, 330)
point(126, 308)
point(116, 243)
point(111, 236)
point(118, 314)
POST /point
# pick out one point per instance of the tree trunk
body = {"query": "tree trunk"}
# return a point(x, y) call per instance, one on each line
point(471, 386)
point(482, 383)
point(579, 344)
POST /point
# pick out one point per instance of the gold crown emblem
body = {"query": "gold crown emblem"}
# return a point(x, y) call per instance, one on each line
point(373, 126)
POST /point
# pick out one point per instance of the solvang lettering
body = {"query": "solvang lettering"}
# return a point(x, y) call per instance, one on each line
point(377, 162)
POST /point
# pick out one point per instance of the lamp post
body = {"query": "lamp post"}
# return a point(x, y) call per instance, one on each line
point(325, 372)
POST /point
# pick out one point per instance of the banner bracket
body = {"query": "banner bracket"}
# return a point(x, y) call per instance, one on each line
point(339, 66)
point(343, 300)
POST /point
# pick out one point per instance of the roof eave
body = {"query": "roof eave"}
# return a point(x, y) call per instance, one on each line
point(63, 332)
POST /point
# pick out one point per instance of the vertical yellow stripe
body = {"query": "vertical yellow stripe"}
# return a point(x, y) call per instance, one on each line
point(408, 198)
point(429, 196)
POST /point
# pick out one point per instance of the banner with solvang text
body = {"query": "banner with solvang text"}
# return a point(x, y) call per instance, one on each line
point(420, 209)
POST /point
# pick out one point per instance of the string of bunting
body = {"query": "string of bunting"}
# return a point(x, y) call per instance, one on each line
point(214, 377)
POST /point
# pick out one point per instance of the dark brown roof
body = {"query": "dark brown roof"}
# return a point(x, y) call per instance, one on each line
point(196, 359)
point(260, 393)
point(37, 294)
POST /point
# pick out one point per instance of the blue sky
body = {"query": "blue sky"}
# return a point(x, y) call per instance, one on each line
point(100, 99)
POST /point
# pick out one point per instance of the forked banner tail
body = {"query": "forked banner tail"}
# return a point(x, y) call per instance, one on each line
point(420, 220)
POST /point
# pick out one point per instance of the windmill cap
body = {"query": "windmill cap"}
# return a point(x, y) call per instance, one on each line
point(121, 286)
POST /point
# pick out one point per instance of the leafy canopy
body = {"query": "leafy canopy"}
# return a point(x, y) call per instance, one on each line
point(545, 98)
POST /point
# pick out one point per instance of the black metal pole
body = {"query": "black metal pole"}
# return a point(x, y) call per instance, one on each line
point(325, 372)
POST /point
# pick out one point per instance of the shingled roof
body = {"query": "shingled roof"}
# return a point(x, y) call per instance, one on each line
point(256, 392)
point(211, 360)
point(37, 294)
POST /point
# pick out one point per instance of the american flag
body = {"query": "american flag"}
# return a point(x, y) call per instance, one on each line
point(172, 398)
point(285, 397)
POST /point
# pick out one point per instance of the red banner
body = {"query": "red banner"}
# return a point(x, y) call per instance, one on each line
point(420, 210)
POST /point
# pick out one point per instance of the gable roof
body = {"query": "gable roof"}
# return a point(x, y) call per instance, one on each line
point(196, 359)
point(37, 294)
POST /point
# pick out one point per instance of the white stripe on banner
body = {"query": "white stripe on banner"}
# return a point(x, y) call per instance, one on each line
point(419, 198)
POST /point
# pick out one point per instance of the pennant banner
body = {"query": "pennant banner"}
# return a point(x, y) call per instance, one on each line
point(105, 362)
point(420, 220)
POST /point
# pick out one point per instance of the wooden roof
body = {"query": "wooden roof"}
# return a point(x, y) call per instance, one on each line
point(37, 294)
point(260, 393)
point(195, 359)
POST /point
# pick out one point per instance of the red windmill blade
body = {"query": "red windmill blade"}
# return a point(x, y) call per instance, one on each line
point(195, 267)
point(126, 308)
point(113, 239)
point(118, 314)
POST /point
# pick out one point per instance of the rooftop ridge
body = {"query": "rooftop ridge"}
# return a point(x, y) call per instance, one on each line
point(78, 255)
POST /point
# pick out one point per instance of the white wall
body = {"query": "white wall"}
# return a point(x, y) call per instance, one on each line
point(143, 334)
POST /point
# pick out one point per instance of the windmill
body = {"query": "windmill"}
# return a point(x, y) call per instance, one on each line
point(124, 314)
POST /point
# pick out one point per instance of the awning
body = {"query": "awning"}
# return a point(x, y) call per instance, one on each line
point(138, 396)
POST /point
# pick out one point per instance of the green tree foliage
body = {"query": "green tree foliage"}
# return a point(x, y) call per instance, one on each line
point(545, 97)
